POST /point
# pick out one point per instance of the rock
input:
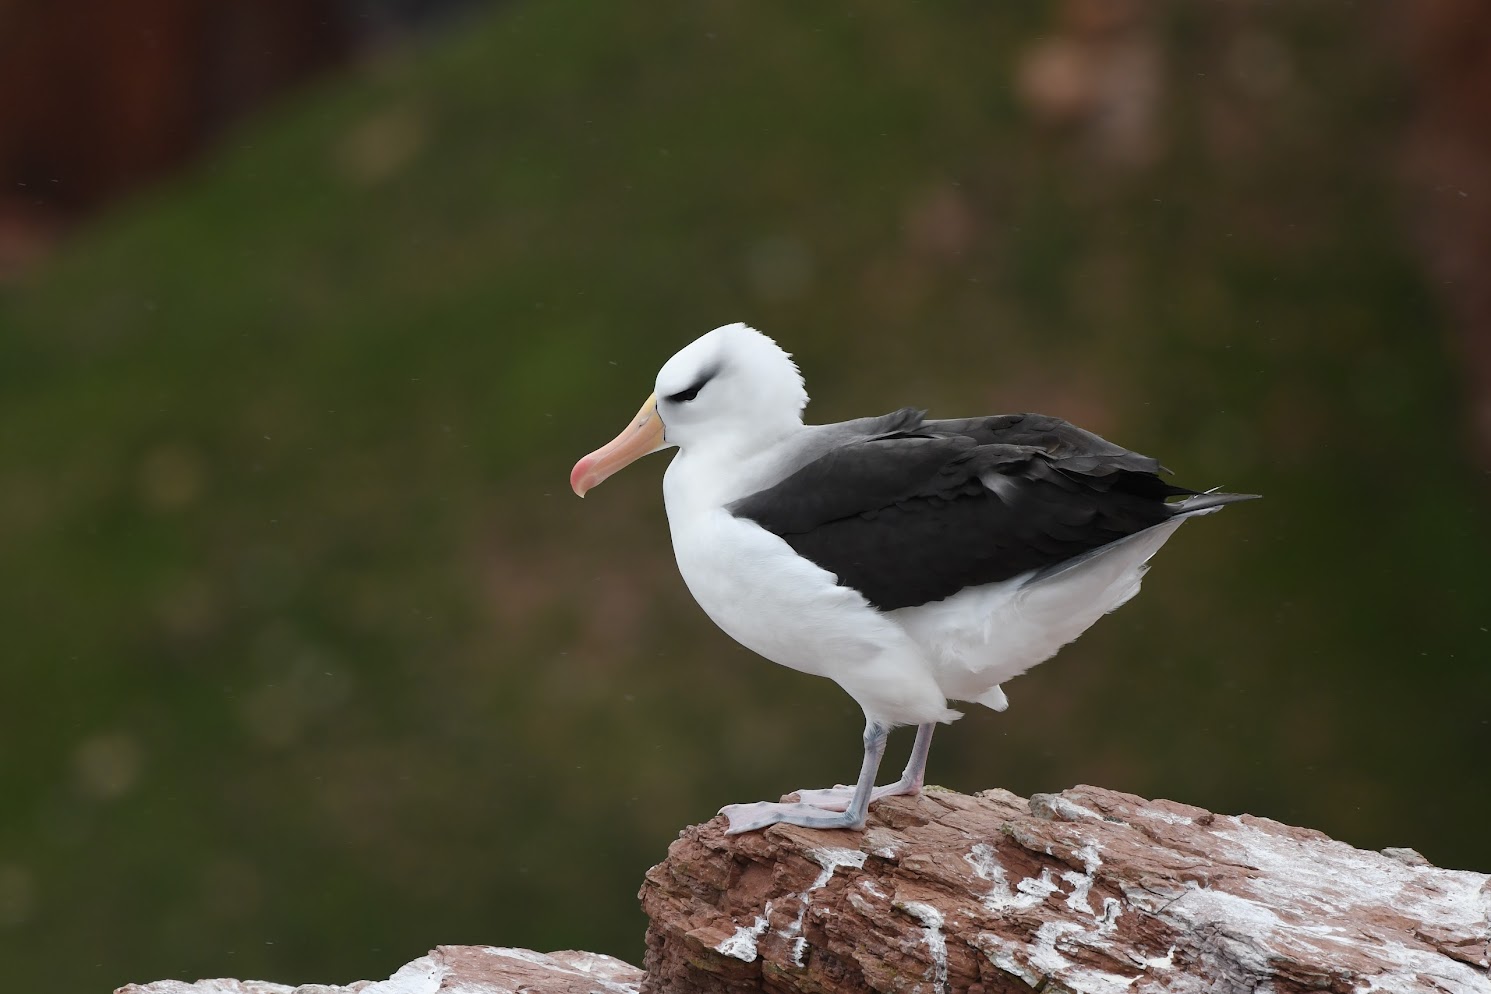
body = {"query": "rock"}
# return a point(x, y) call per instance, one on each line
point(1088, 890)
point(467, 969)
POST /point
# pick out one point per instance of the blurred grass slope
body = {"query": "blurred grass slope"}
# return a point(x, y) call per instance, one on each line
point(312, 660)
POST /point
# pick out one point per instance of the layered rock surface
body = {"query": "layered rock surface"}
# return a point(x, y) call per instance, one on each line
point(452, 969)
point(1088, 890)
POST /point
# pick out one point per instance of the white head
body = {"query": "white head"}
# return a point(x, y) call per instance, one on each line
point(731, 387)
point(734, 381)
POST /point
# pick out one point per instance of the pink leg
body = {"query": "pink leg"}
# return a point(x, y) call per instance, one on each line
point(838, 798)
point(749, 817)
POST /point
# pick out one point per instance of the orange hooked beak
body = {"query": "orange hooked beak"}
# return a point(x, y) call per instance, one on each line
point(642, 436)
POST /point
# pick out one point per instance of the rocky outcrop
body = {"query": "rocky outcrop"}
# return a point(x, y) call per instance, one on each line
point(468, 969)
point(1088, 891)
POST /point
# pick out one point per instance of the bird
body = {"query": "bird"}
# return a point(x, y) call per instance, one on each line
point(912, 561)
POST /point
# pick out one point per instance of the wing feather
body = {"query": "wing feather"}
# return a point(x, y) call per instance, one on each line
point(919, 510)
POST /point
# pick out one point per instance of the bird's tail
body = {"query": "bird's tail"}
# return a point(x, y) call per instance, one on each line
point(1151, 538)
point(1209, 501)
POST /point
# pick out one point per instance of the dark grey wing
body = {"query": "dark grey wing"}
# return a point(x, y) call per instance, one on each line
point(926, 509)
point(1078, 450)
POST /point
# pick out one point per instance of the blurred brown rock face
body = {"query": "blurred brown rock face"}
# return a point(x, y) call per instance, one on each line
point(98, 98)
point(1099, 74)
point(1447, 156)
point(1099, 77)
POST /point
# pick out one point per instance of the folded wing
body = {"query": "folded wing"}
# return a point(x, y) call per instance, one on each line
point(922, 509)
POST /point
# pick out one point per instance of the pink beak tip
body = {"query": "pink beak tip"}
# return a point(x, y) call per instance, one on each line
point(577, 477)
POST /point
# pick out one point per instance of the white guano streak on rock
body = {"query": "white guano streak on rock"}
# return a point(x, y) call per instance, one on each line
point(1332, 880)
point(216, 985)
point(830, 859)
point(742, 945)
point(1033, 890)
point(1297, 870)
point(932, 921)
point(1165, 816)
point(1042, 955)
point(1248, 932)
point(1002, 953)
point(1165, 962)
point(1485, 962)
point(985, 862)
point(1411, 965)
point(584, 967)
point(1107, 918)
point(589, 962)
point(1047, 961)
point(1081, 887)
point(423, 976)
point(1069, 810)
point(1040, 960)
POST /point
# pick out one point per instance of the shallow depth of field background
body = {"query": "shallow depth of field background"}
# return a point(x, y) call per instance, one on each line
point(311, 660)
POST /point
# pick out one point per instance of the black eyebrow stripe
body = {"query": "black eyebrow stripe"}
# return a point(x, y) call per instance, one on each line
point(692, 391)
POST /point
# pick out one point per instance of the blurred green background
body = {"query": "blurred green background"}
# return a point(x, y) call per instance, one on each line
point(311, 659)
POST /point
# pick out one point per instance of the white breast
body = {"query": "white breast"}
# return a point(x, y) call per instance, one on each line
point(785, 608)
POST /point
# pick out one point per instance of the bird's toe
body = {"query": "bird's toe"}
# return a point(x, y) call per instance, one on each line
point(827, 798)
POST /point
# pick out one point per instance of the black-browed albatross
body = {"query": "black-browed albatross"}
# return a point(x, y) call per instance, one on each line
point(911, 561)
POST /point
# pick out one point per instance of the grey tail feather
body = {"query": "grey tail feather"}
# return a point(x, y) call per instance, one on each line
point(1209, 501)
point(1199, 504)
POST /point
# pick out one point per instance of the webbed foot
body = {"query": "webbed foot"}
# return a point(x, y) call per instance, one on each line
point(838, 798)
point(762, 814)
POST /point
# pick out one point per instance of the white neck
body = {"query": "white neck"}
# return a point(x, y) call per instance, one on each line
point(705, 478)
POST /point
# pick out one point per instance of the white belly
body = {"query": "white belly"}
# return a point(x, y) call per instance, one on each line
point(982, 636)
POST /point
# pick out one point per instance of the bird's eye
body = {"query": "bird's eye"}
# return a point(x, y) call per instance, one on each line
point(684, 396)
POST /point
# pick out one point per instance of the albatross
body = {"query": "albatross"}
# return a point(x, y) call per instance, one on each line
point(912, 561)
